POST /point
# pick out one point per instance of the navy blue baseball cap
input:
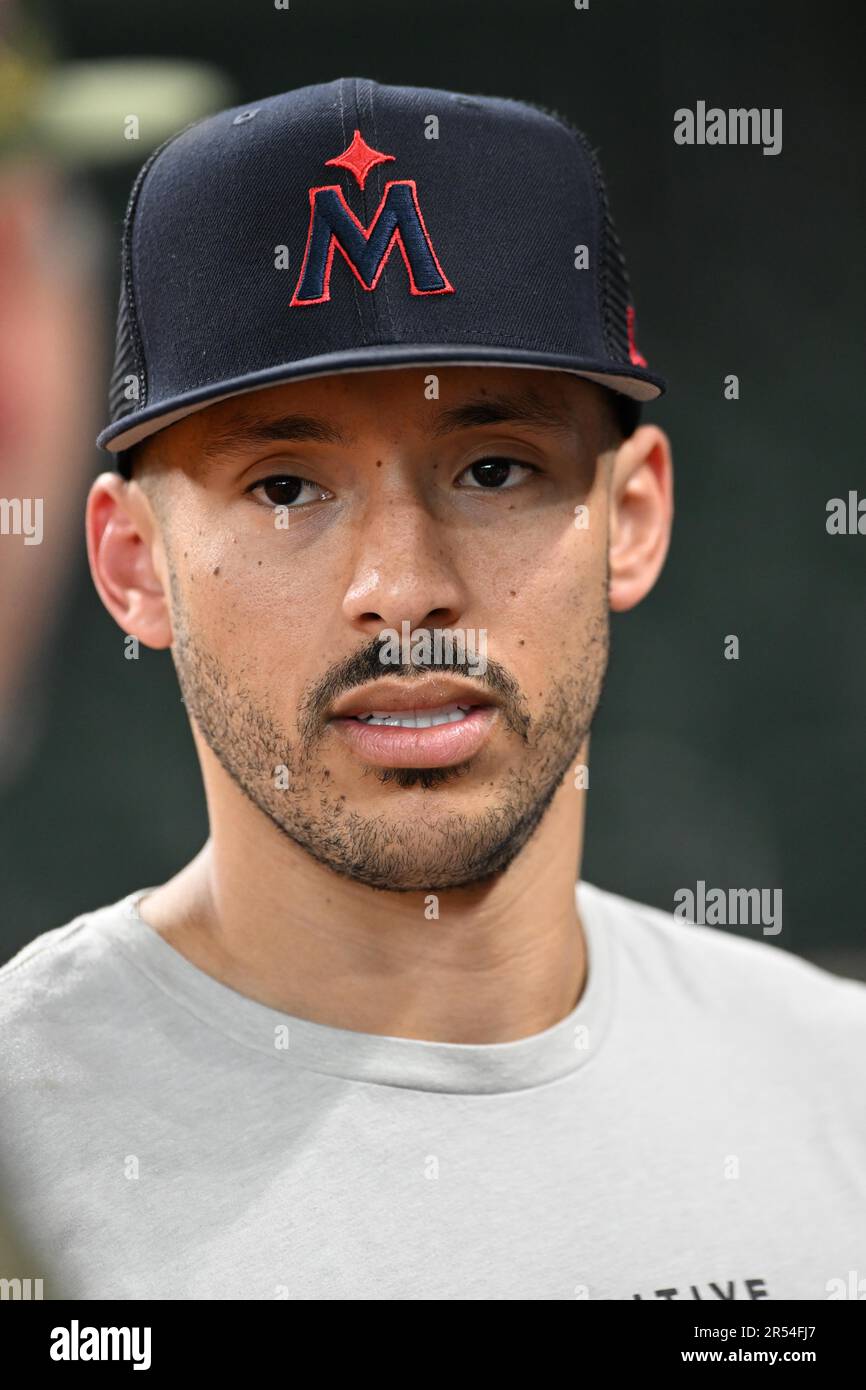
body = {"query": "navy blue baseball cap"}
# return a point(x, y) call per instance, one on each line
point(350, 226)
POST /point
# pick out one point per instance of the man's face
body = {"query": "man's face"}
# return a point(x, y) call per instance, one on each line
point(302, 522)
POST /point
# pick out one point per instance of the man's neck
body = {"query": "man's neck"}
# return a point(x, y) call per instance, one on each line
point(475, 965)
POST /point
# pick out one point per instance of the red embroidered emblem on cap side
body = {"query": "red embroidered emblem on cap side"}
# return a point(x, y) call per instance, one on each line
point(635, 357)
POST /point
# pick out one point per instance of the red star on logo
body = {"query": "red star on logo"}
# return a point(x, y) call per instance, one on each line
point(359, 158)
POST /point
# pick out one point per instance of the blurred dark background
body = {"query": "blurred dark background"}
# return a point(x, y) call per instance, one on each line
point(745, 773)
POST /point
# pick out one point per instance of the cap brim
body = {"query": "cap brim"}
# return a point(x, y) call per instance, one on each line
point(638, 383)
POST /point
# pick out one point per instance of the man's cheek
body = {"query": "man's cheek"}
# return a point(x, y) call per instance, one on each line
point(268, 593)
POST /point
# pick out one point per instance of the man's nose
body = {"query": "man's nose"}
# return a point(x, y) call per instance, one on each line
point(404, 567)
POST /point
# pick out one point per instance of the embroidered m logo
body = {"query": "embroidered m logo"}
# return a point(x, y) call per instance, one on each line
point(396, 221)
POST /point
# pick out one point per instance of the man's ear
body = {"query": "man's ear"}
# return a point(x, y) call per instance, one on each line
point(641, 514)
point(127, 559)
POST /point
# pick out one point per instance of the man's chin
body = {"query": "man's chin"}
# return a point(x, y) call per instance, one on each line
point(425, 853)
point(421, 838)
point(424, 878)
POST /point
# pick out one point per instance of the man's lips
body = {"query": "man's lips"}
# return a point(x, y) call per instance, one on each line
point(392, 695)
point(463, 720)
point(439, 745)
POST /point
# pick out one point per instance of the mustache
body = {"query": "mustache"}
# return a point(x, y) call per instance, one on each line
point(365, 665)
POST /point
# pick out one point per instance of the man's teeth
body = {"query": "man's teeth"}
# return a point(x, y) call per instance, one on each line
point(416, 718)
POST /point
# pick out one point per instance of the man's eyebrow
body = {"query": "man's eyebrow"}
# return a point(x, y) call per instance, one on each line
point(524, 408)
point(288, 429)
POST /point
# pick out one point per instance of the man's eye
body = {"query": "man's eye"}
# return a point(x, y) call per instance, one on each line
point(495, 474)
point(285, 490)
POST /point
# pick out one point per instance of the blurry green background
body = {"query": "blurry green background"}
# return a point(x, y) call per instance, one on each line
point(744, 773)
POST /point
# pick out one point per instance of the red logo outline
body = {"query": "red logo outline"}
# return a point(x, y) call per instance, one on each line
point(446, 288)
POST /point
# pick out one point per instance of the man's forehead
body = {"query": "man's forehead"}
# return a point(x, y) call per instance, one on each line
point(337, 409)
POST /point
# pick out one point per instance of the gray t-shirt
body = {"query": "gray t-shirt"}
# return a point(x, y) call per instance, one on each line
point(694, 1129)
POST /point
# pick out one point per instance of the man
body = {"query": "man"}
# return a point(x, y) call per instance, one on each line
point(372, 1042)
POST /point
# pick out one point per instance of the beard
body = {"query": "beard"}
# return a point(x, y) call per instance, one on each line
point(286, 779)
